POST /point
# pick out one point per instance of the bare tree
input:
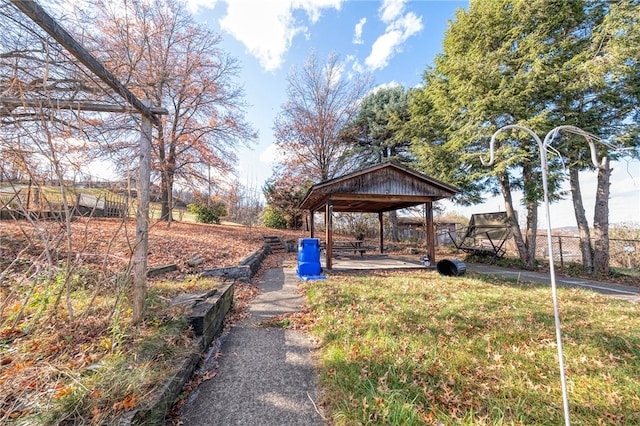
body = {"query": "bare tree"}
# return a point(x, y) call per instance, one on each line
point(243, 203)
point(321, 100)
point(157, 49)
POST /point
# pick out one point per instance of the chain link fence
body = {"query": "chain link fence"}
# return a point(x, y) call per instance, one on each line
point(623, 253)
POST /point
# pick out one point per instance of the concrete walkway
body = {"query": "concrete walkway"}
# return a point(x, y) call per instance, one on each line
point(611, 289)
point(265, 376)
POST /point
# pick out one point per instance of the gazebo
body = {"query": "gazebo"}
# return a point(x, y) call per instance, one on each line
point(377, 189)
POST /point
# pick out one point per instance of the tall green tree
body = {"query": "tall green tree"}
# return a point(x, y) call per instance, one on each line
point(432, 151)
point(374, 136)
point(607, 85)
point(519, 62)
point(595, 93)
point(480, 83)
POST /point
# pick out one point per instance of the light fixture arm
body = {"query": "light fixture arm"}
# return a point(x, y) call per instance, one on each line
point(577, 131)
point(543, 147)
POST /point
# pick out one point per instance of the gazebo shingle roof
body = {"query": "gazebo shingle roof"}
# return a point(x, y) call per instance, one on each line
point(380, 188)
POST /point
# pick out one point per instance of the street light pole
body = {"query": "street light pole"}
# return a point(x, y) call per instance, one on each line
point(543, 146)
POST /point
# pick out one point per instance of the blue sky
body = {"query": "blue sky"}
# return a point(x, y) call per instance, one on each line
point(395, 40)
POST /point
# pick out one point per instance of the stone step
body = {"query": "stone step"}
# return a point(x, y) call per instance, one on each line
point(276, 243)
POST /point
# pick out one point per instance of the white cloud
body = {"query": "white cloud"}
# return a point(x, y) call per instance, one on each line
point(382, 86)
point(388, 44)
point(270, 154)
point(314, 7)
point(194, 5)
point(391, 10)
point(355, 67)
point(357, 33)
point(382, 49)
point(267, 27)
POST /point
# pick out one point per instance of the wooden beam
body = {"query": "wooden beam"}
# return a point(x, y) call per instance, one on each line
point(387, 198)
point(369, 203)
point(429, 232)
point(381, 230)
point(74, 105)
point(312, 226)
point(38, 15)
point(159, 270)
point(329, 235)
point(141, 248)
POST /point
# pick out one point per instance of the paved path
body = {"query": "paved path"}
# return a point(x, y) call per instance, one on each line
point(265, 376)
point(611, 289)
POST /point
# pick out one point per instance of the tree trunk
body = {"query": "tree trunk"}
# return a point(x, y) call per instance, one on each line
point(532, 218)
point(141, 250)
point(171, 173)
point(165, 212)
point(166, 162)
point(511, 215)
point(167, 197)
point(530, 233)
point(581, 219)
point(393, 222)
point(162, 160)
point(601, 221)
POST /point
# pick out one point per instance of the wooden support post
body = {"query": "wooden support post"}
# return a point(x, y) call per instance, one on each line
point(312, 226)
point(429, 231)
point(329, 234)
point(381, 230)
point(142, 221)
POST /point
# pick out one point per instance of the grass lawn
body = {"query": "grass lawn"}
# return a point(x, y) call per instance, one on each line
point(93, 369)
point(420, 348)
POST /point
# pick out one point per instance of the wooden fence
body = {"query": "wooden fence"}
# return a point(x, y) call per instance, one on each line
point(45, 204)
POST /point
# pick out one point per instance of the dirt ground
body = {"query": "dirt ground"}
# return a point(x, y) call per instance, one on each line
point(97, 241)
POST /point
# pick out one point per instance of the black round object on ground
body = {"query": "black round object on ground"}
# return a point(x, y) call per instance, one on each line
point(451, 267)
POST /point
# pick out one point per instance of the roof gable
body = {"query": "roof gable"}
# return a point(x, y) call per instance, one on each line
point(383, 187)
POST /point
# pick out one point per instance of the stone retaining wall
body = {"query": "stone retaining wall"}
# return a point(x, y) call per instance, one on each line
point(206, 317)
point(246, 268)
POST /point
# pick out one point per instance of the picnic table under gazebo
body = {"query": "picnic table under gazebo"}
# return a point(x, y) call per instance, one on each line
point(381, 188)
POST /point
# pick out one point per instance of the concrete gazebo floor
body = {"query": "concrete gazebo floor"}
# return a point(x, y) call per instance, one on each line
point(372, 261)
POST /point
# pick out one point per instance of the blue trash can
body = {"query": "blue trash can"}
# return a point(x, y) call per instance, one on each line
point(309, 256)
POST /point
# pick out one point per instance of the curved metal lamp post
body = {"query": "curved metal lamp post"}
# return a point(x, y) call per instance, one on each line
point(543, 146)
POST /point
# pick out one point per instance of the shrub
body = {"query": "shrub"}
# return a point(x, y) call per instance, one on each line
point(208, 213)
point(273, 218)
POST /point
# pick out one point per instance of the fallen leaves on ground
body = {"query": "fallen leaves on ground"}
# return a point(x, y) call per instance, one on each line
point(299, 320)
point(98, 241)
point(42, 353)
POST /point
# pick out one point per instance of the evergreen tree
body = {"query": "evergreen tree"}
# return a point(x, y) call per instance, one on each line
point(532, 63)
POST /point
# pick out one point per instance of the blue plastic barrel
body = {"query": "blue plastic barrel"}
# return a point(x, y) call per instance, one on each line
point(309, 256)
